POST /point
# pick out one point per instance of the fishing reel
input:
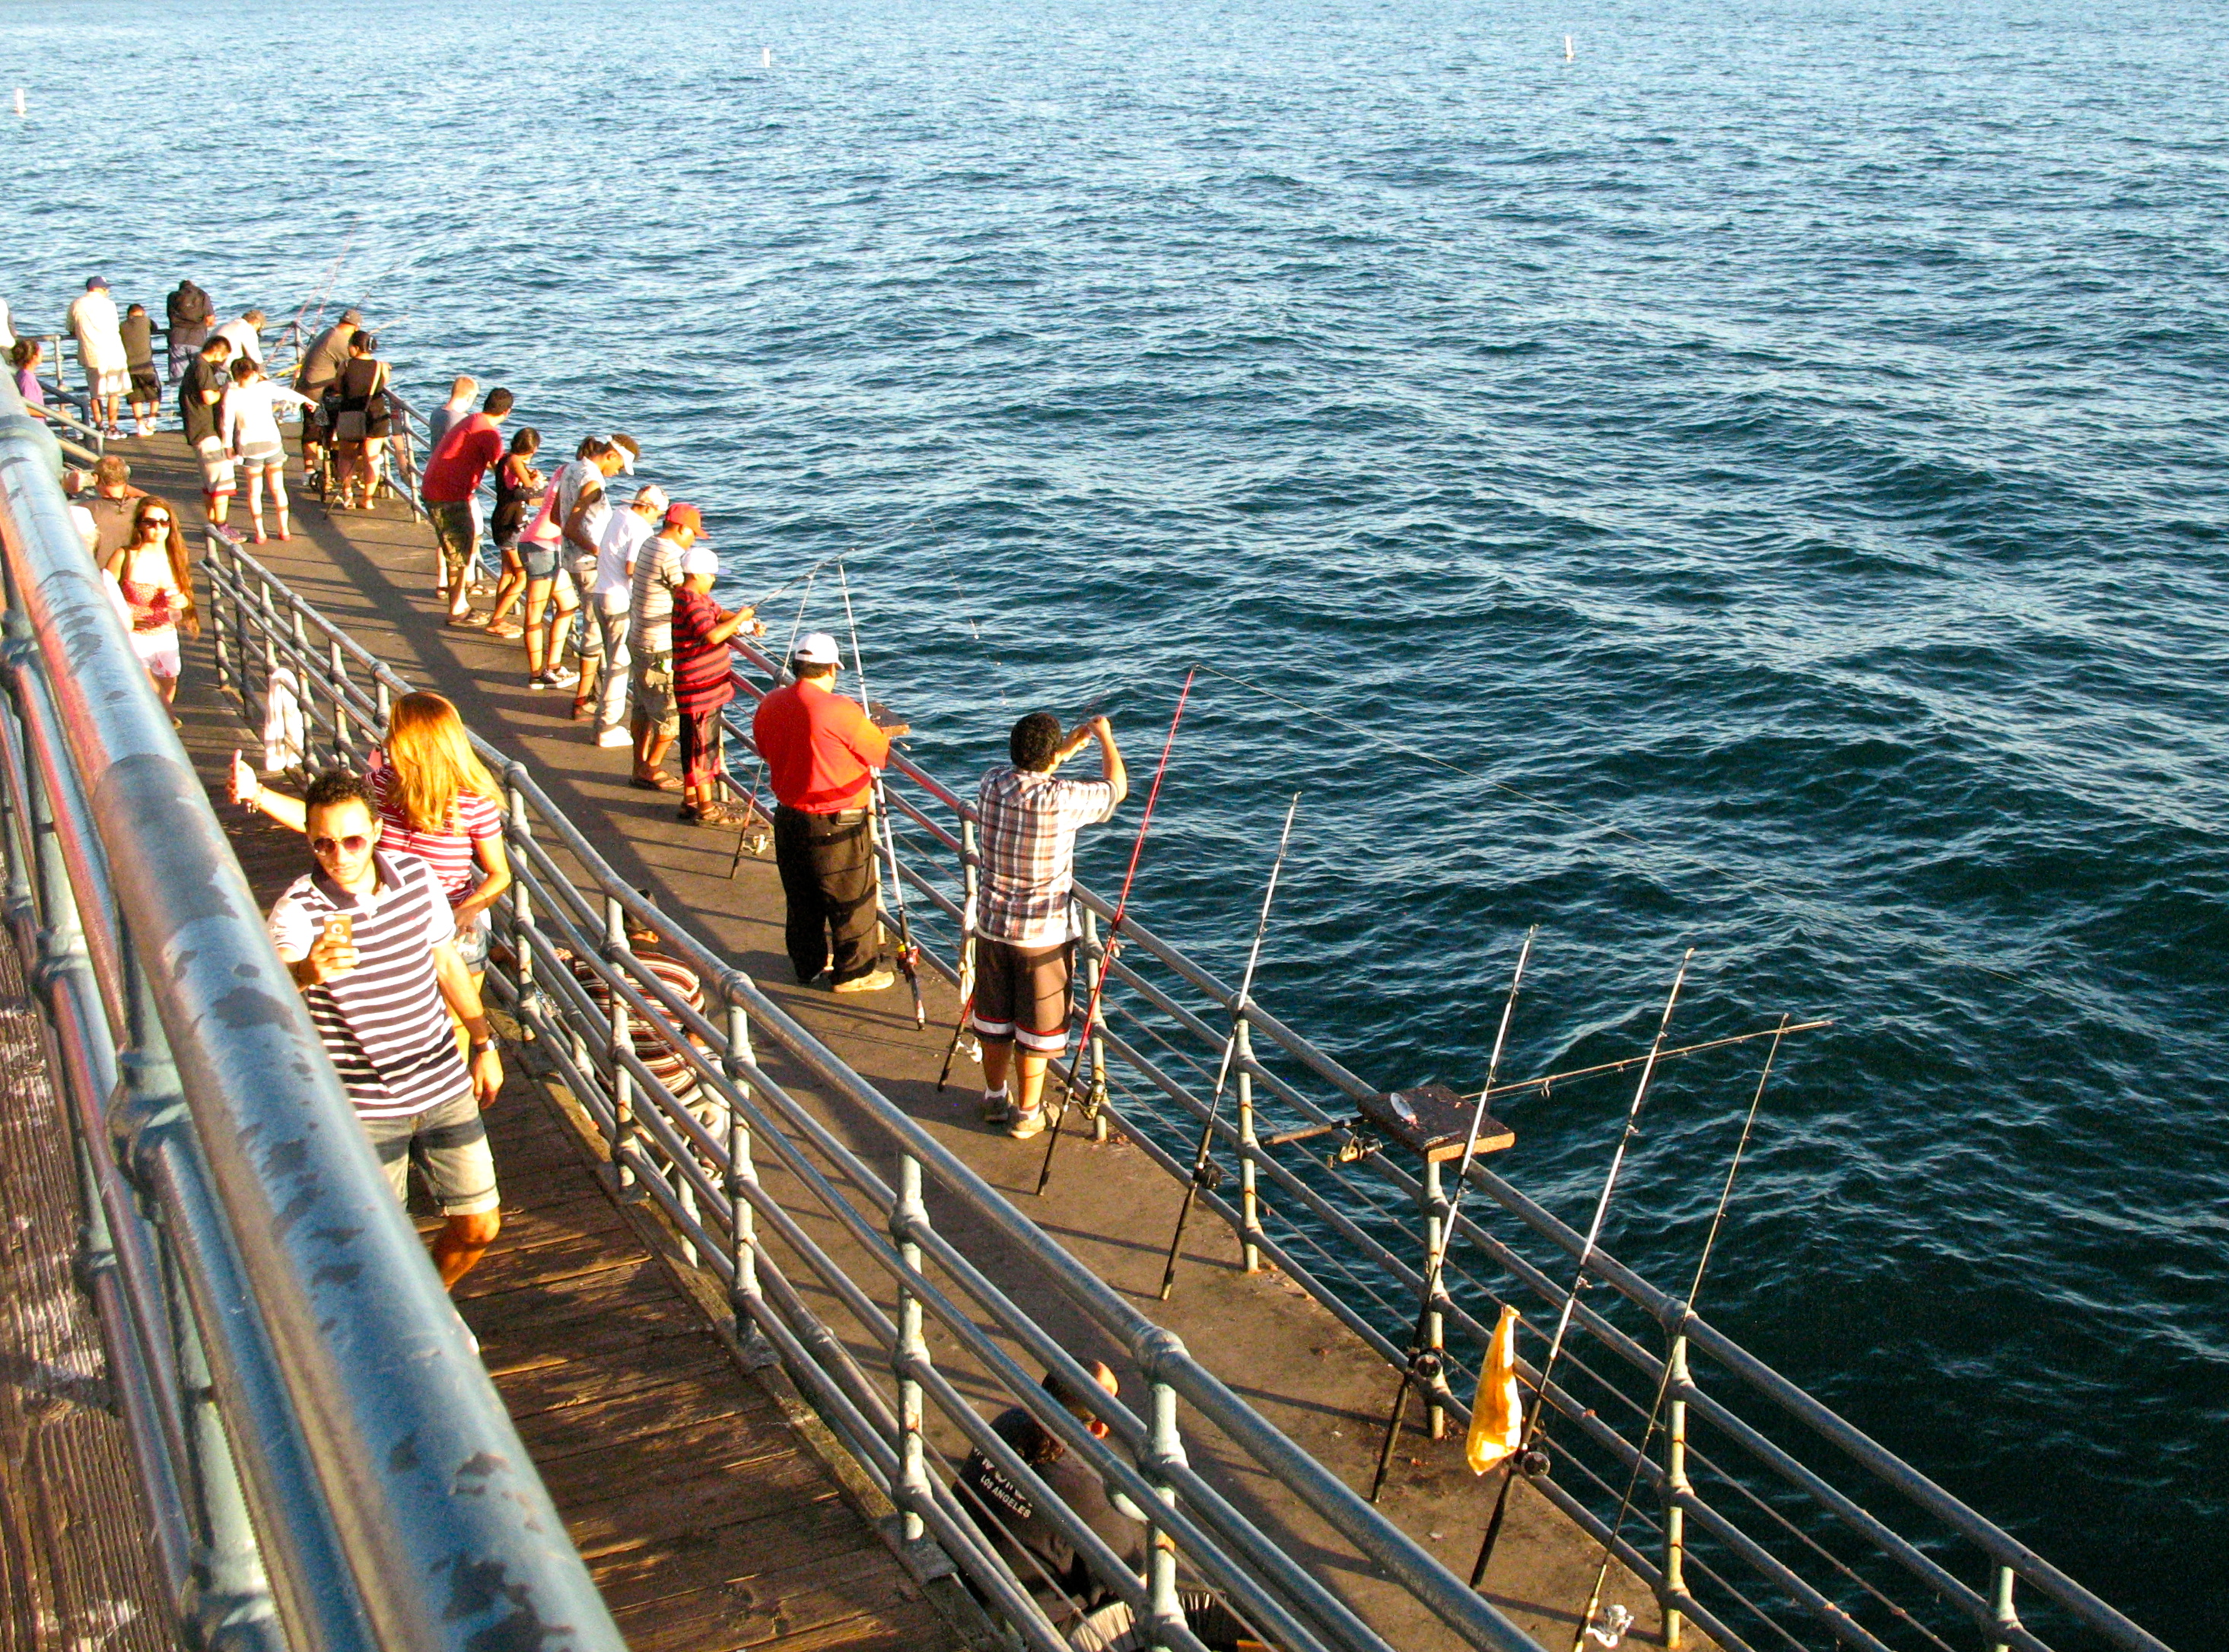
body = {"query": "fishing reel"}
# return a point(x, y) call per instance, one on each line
point(1209, 1176)
point(1533, 1463)
point(1359, 1142)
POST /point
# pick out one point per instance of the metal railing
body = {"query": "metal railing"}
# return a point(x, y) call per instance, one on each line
point(1755, 1521)
point(324, 1466)
point(824, 1248)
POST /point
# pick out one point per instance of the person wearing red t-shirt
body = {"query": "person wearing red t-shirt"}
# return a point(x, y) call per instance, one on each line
point(471, 448)
point(821, 751)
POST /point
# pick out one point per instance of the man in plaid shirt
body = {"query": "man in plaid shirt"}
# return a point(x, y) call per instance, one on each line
point(1024, 942)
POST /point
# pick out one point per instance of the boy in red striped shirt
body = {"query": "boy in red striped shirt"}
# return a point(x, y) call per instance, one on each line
point(702, 686)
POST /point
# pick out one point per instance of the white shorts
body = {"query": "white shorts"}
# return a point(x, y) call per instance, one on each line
point(159, 652)
point(217, 465)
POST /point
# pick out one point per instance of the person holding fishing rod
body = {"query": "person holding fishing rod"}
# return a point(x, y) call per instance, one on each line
point(821, 751)
point(1024, 940)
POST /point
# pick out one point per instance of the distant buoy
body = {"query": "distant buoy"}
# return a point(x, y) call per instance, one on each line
point(1569, 54)
point(765, 57)
point(19, 103)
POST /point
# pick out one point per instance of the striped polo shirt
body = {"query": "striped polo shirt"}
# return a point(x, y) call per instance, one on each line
point(385, 1023)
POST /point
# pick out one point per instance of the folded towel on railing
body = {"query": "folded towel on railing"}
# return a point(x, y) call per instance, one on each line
point(283, 741)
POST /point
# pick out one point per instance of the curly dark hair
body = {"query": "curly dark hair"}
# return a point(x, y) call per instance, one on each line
point(1035, 741)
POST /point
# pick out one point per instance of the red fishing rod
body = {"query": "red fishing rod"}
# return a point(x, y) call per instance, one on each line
point(1107, 947)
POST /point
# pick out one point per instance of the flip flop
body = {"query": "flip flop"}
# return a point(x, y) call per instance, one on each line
point(665, 782)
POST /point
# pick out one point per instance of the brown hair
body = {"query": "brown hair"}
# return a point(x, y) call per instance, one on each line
point(174, 544)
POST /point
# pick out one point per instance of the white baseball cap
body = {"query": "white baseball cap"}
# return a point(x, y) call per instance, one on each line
point(650, 495)
point(817, 648)
point(698, 558)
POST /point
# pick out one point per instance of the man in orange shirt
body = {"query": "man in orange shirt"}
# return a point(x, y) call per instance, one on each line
point(821, 751)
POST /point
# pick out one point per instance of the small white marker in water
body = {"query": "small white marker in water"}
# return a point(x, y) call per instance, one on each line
point(19, 102)
point(1569, 54)
point(765, 57)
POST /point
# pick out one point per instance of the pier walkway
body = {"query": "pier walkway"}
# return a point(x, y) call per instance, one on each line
point(618, 1385)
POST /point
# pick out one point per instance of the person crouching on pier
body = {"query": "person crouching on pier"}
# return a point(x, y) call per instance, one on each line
point(371, 943)
point(821, 751)
point(1024, 942)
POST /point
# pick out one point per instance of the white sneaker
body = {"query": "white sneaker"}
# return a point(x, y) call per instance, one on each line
point(615, 737)
point(560, 677)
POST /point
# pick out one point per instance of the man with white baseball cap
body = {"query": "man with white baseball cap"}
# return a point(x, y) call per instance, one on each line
point(703, 683)
point(821, 751)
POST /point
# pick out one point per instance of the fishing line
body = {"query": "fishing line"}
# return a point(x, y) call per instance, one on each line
point(1767, 892)
point(1664, 1382)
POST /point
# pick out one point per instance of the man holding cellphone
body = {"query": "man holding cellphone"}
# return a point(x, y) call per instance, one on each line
point(371, 943)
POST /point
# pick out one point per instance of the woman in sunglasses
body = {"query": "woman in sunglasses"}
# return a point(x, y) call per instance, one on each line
point(155, 584)
point(436, 800)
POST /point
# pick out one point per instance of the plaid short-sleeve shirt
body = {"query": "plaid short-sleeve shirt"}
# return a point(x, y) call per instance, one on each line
point(1028, 824)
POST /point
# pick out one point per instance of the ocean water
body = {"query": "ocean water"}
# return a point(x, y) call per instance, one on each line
point(1756, 486)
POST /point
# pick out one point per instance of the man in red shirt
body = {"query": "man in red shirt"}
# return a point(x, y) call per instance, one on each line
point(471, 449)
point(820, 752)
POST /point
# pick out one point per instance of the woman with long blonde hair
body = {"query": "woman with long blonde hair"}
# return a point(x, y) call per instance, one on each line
point(436, 800)
point(154, 591)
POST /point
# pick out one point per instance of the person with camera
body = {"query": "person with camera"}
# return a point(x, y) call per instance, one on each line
point(371, 940)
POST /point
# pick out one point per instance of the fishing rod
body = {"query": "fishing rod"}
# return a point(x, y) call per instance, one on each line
point(331, 275)
point(1528, 1452)
point(1664, 1381)
point(782, 669)
point(1199, 1161)
point(1113, 929)
point(909, 955)
point(1519, 1086)
point(1424, 1364)
point(967, 992)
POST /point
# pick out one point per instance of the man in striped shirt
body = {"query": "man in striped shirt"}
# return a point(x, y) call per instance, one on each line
point(372, 944)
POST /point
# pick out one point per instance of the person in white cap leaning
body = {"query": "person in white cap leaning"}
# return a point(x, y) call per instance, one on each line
point(704, 679)
point(607, 604)
point(821, 751)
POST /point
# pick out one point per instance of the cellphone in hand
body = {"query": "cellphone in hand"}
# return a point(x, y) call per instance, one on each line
point(341, 927)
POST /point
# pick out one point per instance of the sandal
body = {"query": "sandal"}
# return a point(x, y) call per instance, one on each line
point(659, 782)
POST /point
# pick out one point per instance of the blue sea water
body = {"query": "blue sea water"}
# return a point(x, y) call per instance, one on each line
point(1756, 486)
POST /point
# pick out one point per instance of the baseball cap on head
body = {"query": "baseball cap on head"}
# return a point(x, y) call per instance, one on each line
point(651, 496)
point(817, 648)
point(688, 517)
point(352, 317)
point(98, 281)
point(698, 558)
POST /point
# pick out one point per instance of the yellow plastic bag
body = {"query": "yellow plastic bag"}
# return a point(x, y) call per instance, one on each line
point(1497, 1416)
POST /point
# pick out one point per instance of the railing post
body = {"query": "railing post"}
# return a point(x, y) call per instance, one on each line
point(1094, 965)
point(384, 697)
point(910, 1356)
point(620, 1143)
point(1249, 1206)
point(212, 558)
point(742, 1179)
point(269, 630)
point(1433, 1198)
point(344, 721)
point(2001, 1604)
point(1167, 1452)
point(1673, 1588)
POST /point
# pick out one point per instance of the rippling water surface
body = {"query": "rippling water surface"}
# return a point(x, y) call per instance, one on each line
point(1757, 486)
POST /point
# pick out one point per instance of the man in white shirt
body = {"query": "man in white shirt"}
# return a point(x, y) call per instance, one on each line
point(608, 601)
point(581, 516)
point(100, 355)
point(246, 336)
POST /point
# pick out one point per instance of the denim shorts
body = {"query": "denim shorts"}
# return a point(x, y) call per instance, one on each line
point(472, 944)
point(449, 1145)
point(541, 558)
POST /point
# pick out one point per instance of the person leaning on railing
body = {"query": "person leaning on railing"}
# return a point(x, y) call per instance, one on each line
point(24, 356)
point(372, 945)
point(320, 369)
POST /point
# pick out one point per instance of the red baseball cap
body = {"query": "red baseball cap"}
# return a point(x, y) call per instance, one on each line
point(679, 516)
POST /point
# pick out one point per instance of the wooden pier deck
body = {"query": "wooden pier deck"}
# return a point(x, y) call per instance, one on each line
point(566, 1273)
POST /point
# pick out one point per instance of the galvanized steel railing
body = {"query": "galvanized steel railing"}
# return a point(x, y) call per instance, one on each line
point(1757, 1522)
point(323, 1462)
point(699, 1122)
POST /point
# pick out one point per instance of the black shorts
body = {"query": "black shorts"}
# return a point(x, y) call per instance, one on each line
point(1022, 994)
